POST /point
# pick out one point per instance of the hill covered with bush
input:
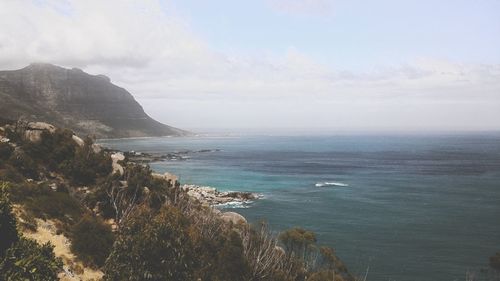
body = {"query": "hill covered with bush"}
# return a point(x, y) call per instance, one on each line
point(123, 222)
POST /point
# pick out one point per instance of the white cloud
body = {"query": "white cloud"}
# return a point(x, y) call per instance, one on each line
point(142, 46)
point(303, 7)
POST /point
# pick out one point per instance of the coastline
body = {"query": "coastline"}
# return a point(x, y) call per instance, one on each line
point(206, 195)
point(212, 197)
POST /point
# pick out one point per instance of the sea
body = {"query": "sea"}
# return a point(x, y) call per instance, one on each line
point(394, 207)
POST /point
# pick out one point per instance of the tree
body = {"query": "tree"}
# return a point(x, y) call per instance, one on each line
point(152, 245)
point(8, 231)
point(26, 260)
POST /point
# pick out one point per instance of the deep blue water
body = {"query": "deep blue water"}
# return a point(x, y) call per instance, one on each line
point(416, 208)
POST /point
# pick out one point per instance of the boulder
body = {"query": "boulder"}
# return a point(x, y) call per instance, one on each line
point(96, 148)
point(166, 176)
point(115, 157)
point(41, 126)
point(78, 140)
point(34, 130)
point(234, 218)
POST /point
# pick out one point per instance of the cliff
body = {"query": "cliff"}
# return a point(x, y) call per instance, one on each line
point(71, 98)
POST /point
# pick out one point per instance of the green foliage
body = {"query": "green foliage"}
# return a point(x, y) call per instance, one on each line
point(55, 205)
point(152, 246)
point(53, 148)
point(99, 198)
point(231, 264)
point(21, 258)
point(13, 134)
point(25, 164)
point(8, 231)
point(80, 164)
point(26, 260)
point(58, 152)
point(86, 166)
point(298, 241)
point(91, 240)
point(5, 151)
point(220, 257)
point(10, 173)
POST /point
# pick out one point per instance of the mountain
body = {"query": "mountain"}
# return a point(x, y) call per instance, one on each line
point(71, 98)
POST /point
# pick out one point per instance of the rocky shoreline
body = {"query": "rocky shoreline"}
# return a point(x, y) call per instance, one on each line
point(212, 197)
point(207, 195)
point(144, 157)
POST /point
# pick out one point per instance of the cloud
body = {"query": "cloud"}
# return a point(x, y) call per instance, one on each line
point(144, 47)
point(303, 7)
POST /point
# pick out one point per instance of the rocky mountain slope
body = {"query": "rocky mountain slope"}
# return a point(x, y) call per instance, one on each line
point(71, 98)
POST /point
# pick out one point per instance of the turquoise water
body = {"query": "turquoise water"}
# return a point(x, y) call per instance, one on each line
point(414, 208)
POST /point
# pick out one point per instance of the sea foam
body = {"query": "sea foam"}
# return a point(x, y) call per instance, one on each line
point(326, 183)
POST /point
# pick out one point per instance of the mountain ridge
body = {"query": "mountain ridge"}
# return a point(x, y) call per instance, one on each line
point(71, 98)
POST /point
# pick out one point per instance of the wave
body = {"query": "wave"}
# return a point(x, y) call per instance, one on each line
point(234, 205)
point(326, 183)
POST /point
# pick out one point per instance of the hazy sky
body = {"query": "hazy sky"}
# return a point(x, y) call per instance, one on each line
point(257, 65)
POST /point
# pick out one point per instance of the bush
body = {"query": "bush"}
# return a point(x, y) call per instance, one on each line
point(55, 205)
point(24, 164)
point(298, 241)
point(159, 240)
point(8, 231)
point(26, 260)
point(86, 166)
point(91, 240)
point(24, 191)
point(230, 262)
point(5, 151)
point(9, 173)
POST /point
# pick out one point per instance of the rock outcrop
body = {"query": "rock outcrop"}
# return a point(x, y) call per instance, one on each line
point(212, 197)
point(233, 217)
point(71, 98)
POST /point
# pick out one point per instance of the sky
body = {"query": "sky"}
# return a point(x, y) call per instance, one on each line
point(277, 65)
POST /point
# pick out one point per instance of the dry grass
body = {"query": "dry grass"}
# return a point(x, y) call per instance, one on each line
point(73, 270)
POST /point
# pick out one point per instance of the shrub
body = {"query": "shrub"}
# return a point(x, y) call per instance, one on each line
point(24, 164)
point(55, 205)
point(91, 240)
point(26, 260)
point(159, 240)
point(5, 151)
point(298, 241)
point(86, 166)
point(231, 264)
point(8, 231)
point(9, 173)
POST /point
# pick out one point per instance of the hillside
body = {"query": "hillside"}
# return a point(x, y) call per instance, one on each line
point(105, 217)
point(71, 98)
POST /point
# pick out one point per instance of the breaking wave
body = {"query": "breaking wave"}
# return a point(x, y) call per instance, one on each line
point(326, 183)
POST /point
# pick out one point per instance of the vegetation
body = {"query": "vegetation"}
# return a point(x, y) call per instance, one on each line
point(159, 241)
point(91, 240)
point(26, 260)
point(21, 258)
point(8, 231)
point(160, 233)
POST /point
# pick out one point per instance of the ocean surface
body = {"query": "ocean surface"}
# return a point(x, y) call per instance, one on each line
point(403, 208)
